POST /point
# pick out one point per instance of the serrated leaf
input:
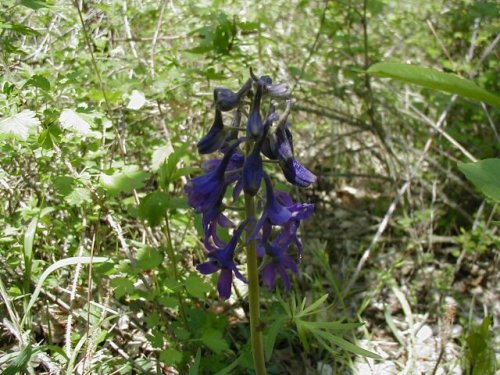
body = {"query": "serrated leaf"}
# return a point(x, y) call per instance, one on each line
point(153, 207)
point(78, 197)
point(76, 124)
point(64, 184)
point(160, 155)
point(434, 79)
point(148, 258)
point(137, 100)
point(124, 181)
point(196, 286)
point(122, 286)
point(38, 81)
point(170, 357)
point(485, 175)
point(19, 126)
point(214, 340)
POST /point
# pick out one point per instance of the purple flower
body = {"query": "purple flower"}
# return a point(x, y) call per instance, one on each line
point(215, 137)
point(274, 212)
point(252, 171)
point(222, 259)
point(255, 128)
point(278, 91)
point(281, 145)
point(204, 192)
point(226, 100)
point(279, 262)
point(211, 218)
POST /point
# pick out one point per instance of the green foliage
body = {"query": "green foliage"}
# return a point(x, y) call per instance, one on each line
point(480, 350)
point(433, 79)
point(485, 175)
point(99, 121)
point(326, 333)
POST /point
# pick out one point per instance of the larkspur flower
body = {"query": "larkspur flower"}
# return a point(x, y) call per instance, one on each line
point(255, 127)
point(215, 137)
point(274, 212)
point(222, 259)
point(204, 192)
point(279, 262)
point(281, 146)
point(210, 220)
point(277, 91)
point(226, 100)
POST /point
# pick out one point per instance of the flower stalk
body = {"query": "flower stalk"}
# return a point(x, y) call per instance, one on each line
point(273, 248)
point(253, 291)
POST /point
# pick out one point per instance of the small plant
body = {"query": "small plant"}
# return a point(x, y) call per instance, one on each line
point(272, 244)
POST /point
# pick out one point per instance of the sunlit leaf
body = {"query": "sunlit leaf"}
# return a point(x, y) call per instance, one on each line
point(125, 180)
point(160, 155)
point(137, 100)
point(75, 123)
point(434, 79)
point(19, 126)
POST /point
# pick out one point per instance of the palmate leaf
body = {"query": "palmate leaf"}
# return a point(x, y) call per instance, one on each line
point(433, 79)
point(327, 339)
point(485, 175)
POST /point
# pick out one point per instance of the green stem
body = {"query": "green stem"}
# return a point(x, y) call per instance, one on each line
point(173, 259)
point(253, 294)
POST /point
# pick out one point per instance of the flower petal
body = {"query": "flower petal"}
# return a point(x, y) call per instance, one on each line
point(224, 283)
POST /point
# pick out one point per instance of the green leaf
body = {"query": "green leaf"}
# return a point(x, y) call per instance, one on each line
point(195, 368)
point(433, 79)
point(271, 335)
point(346, 345)
point(148, 258)
point(59, 264)
point(153, 207)
point(129, 178)
point(214, 340)
point(122, 286)
point(64, 184)
point(34, 4)
point(19, 364)
point(38, 81)
point(78, 196)
point(29, 238)
point(196, 286)
point(314, 307)
point(485, 175)
point(170, 357)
